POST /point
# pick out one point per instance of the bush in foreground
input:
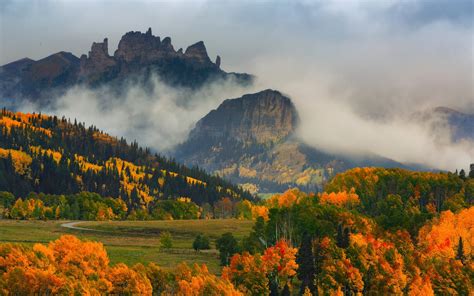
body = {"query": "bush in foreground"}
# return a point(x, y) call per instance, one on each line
point(69, 266)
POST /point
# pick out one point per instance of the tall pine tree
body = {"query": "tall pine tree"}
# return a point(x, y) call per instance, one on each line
point(306, 268)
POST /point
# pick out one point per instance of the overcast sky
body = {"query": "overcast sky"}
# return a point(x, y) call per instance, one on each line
point(369, 62)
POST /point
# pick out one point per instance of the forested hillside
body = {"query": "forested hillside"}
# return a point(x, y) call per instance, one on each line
point(46, 154)
point(330, 243)
point(399, 198)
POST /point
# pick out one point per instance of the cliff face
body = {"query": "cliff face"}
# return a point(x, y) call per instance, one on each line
point(98, 64)
point(266, 117)
point(251, 141)
point(139, 55)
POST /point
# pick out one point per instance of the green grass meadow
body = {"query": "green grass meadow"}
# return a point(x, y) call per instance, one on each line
point(134, 242)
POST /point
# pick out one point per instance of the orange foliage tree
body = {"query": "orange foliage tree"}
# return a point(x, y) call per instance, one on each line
point(20, 159)
point(260, 211)
point(280, 263)
point(284, 200)
point(441, 236)
point(128, 281)
point(65, 266)
point(381, 259)
point(252, 273)
point(342, 198)
point(199, 281)
point(248, 273)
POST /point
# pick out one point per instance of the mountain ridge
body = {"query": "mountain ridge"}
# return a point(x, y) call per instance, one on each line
point(137, 57)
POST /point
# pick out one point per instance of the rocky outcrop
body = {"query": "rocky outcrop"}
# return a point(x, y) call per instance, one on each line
point(266, 117)
point(98, 63)
point(251, 141)
point(139, 56)
point(198, 53)
point(142, 48)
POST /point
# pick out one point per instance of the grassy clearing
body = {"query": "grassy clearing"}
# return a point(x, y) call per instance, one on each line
point(134, 242)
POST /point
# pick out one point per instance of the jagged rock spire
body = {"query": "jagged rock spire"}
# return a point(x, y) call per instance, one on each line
point(198, 51)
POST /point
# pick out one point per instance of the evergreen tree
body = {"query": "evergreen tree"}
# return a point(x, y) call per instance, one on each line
point(256, 242)
point(460, 252)
point(342, 238)
point(306, 268)
point(228, 246)
point(273, 286)
point(286, 291)
point(201, 242)
point(346, 237)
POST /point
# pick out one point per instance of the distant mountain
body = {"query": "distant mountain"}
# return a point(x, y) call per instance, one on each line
point(138, 57)
point(461, 124)
point(251, 140)
point(40, 153)
point(264, 118)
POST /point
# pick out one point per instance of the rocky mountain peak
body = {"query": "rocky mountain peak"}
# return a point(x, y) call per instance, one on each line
point(139, 46)
point(166, 45)
point(266, 117)
point(98, 61)
point(99, 49)
point(198, 51)
point(139, 55)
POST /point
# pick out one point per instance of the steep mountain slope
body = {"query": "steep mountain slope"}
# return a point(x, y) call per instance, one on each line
point(138, 57)
point(251, 140)
point(54, 156)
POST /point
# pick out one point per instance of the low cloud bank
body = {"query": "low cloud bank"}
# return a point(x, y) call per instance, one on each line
point(159, 119)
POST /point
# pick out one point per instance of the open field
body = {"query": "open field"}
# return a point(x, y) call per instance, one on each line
point(134, 241)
